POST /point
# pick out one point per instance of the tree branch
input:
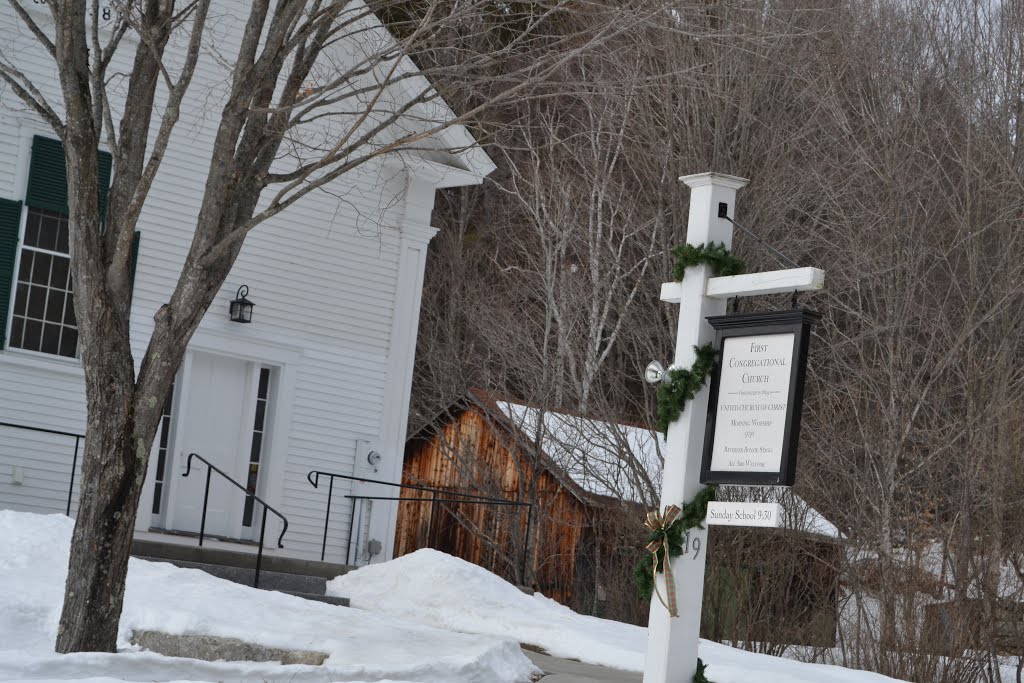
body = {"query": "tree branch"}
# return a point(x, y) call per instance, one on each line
point(31, 96)
point(43, 39)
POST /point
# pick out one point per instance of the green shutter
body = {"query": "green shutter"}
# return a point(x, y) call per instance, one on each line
point(48, 180)
point(10, 226)
point(47, 176)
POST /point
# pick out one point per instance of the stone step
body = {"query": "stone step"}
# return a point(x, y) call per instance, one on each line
point(214, 648)
point(174, 552)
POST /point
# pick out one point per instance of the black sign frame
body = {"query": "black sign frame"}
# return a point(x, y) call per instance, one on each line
point(797, 322)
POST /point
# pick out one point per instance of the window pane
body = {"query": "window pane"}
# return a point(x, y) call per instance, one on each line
point(55, 306)
point(69, 342)
point(17, 328)
point(36, 302)
point(257, 443)
point(33, 335)
point(156, 498)
point(62, 236)
point(69, 312)
point(261, 409)
point(264, 382)
point(51, 338)
point(32, 228)
point(48, 233)
point(21, 299)
point(165, 428)
point(41, 269)
point(247, 512)
point(59, 273)
point(25, 269)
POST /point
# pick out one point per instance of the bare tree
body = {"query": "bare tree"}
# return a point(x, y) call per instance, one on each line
point(314, 89)
point(883, 141)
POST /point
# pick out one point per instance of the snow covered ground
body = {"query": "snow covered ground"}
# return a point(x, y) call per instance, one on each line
point(362, 646)
point(435, 589)
point(428, 618)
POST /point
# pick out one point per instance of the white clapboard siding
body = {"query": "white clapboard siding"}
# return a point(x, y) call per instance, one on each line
point(324, 277)
point(337, 396)
point(35, 470)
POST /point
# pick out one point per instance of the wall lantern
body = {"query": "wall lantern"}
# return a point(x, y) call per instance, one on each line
point(241, 308)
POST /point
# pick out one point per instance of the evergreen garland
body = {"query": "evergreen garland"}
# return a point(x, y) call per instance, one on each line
point(699, 676)
point(682, 386)
point(720, 259)
point(692, 517)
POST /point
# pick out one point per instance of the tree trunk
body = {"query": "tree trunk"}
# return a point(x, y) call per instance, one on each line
point(113, 469)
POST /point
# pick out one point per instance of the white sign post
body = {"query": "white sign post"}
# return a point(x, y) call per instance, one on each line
point(672, 642)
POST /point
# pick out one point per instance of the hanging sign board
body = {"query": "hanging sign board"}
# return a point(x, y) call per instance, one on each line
point(723, 513)
point(757, 392)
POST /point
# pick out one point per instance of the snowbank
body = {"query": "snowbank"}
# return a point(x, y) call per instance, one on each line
point(361, 645)
point(439, 590)
point(443, 591)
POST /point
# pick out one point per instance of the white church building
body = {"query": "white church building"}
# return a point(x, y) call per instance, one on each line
point(319, 381)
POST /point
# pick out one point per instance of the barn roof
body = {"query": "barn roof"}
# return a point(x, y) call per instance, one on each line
point(603, 458)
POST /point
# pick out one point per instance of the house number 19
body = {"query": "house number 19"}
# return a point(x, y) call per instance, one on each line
point(691, 545)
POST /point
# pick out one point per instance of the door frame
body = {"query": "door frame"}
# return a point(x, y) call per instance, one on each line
point(283, 357)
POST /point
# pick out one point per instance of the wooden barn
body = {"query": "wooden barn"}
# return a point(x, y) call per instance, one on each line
point(590, 483)
point(473, 448)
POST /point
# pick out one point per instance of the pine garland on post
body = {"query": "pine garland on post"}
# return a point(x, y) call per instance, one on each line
point(692, 517)
point(720, 259)
point(682, 386)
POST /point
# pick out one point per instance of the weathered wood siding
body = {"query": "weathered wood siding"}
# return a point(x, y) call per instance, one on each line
point(472, 453)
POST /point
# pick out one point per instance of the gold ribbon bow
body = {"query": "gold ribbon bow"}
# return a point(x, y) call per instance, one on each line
point(659, 523)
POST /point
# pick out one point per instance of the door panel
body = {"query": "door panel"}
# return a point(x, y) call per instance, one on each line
point(213, 424)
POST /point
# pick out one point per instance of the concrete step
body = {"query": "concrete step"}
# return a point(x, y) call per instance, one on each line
point(273, 581)
point(307, 587)
point(174, 552)
point(329, 599)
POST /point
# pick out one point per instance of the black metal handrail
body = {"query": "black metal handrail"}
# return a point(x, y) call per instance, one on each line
point(74, 460)
point(464, 498)
point(210, 467)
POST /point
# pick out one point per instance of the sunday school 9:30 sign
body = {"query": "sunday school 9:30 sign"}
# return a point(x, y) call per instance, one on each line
point(756, 398)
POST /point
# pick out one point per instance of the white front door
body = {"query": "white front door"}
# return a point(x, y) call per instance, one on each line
point(217, 423)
